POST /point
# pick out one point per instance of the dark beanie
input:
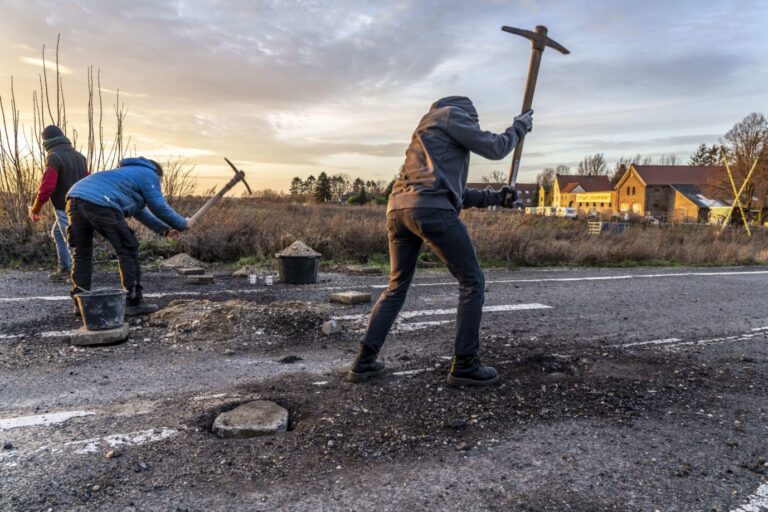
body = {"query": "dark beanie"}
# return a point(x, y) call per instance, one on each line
point(51, 132)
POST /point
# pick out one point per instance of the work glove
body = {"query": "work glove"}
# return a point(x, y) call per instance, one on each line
point(507, 197)
point(526, 120)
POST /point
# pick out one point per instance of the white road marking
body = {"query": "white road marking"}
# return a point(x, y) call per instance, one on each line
point(759, 328)
point(58, 298)
point(10, 336)
point(757, 502)
point(451, 311)
point(209, 397)
point(41, 419)
point(98, 444)
point(651, 342)
point(417, 326)
point(57, 334)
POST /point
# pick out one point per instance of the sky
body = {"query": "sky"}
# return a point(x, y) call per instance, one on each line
point(293, 88)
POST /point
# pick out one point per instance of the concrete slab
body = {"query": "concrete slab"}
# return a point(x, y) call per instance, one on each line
point(200, 279)
point(191, 271)
point(252, 419)
point(85, 338)
point(351, 297)
point(365, 270)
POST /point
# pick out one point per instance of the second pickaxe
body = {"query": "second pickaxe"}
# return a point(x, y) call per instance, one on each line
point(239, 176)
point(539, 41)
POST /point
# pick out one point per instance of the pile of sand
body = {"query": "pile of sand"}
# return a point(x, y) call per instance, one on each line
point(182, 260)
point(206, 320)
point(299, 249)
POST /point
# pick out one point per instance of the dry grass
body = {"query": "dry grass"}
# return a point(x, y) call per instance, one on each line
point(257, 230)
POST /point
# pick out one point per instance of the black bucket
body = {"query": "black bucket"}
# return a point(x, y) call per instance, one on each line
point(102, 309)
point(299, 269)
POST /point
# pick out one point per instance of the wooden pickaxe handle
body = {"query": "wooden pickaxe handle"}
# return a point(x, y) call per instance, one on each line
point(239, 176)
point(530, 88)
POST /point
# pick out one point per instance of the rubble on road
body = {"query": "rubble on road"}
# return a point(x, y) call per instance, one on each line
point(182, 260)
point(206, 320)
point(363, 270)
point(351, 297)
point(247, 271)
point(331, 327)
point(190, 271)
point(257, 418)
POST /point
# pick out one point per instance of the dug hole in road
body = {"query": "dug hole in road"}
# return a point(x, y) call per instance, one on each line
point(642, 389)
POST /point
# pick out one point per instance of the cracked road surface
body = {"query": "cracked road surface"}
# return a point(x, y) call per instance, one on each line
point(641, 389)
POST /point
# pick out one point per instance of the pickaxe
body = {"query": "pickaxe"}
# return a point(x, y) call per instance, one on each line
point(239, 176)
point(539, 41)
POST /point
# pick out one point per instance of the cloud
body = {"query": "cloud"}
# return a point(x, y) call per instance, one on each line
point(50, 65)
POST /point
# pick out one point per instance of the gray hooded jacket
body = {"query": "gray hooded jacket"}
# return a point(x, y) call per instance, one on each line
point(437, 161)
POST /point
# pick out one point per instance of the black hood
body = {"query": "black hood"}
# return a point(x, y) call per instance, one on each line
point(460, 102)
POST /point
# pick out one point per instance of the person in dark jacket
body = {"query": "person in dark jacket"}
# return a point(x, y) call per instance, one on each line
point(424, 207)
point(100, 203)
point(64, 166)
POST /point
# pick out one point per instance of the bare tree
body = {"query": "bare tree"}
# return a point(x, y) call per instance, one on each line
point(746, 142)
point(546, 179)
point(593, 165)
point(670, 159)
point(495, 177)
point(178, 178)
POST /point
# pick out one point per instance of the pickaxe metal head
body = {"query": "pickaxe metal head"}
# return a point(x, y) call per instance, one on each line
point(240, 175)
point(539, 39)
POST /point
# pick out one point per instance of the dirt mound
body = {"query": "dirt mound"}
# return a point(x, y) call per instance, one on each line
point(204, 319)
point(182, 260)
point(298, 248)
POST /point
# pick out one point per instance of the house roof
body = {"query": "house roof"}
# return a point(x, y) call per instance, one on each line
point(588, 183)
point(695, 195)
point(679, 174)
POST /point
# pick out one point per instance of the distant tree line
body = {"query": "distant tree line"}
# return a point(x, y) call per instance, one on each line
point(339, 188)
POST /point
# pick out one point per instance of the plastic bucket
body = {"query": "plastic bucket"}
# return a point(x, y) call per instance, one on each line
point(299, 269)
point(102, 309)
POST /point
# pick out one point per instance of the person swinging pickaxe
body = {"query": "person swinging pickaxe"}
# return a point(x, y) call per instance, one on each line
point(539, 41)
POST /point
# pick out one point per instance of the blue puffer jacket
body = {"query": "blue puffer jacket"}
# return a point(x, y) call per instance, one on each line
point(134, 189)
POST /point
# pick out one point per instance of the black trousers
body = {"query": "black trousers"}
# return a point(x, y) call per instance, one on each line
point(448, 238)
point(85, 219)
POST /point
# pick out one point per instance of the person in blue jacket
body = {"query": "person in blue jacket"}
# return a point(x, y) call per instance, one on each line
point(100, 203)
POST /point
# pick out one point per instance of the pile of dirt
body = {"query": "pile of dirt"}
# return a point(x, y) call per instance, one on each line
point(207, 320)
point(182, 260)
point(298, 249)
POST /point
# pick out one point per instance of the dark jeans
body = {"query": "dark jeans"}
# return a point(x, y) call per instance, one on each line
point(448, 238)
point(86, 218)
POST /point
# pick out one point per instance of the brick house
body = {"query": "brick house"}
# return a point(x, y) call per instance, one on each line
point(680, 193)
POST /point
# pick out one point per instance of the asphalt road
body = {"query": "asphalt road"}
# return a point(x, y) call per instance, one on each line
point(622, 389)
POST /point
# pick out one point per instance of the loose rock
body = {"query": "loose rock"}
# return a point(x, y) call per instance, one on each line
point(331, 327)
point(257, 418)
point(351, 297)
point(182, 260)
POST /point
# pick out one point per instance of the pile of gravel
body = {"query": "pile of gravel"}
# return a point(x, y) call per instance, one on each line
point(182, 260)
point(298, 249)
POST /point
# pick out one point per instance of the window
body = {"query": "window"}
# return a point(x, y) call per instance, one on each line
point(633, 190)
point(628, 191)
point(579, 205)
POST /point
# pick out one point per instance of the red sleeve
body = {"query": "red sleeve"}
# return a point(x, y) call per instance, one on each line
point(47, 186)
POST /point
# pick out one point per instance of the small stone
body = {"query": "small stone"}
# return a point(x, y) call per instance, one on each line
point(330, 444)
point(290, 359)
point(351, 297)
point(458, 424)
point(85, 338)
point(96, 487)
point(200, 279)
point(365, 270)
point(111, 454)
point(463, 447)
point(331, 327)
point(191, 271)
point(736, 424)
point(252, 419)
point(7, 446)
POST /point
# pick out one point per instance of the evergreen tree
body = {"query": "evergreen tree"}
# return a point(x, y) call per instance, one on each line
point(707, 155)
point(296, 187)
point(323, 188)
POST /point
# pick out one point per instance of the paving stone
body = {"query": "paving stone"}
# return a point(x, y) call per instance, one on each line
point(351, 297)
point(331, 327)
point(85, 338)
point(191, 271)
point(200, 279)
point(257, 418)
point(367, 270)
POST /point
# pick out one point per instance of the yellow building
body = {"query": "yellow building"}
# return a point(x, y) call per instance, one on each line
point(588, 194)
point(676, 193)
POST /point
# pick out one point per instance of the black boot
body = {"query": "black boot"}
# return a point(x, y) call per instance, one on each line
point(365, 366)
point(469, 371)
point(135, 305)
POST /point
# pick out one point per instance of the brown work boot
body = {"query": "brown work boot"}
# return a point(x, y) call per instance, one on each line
point(135, 305)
